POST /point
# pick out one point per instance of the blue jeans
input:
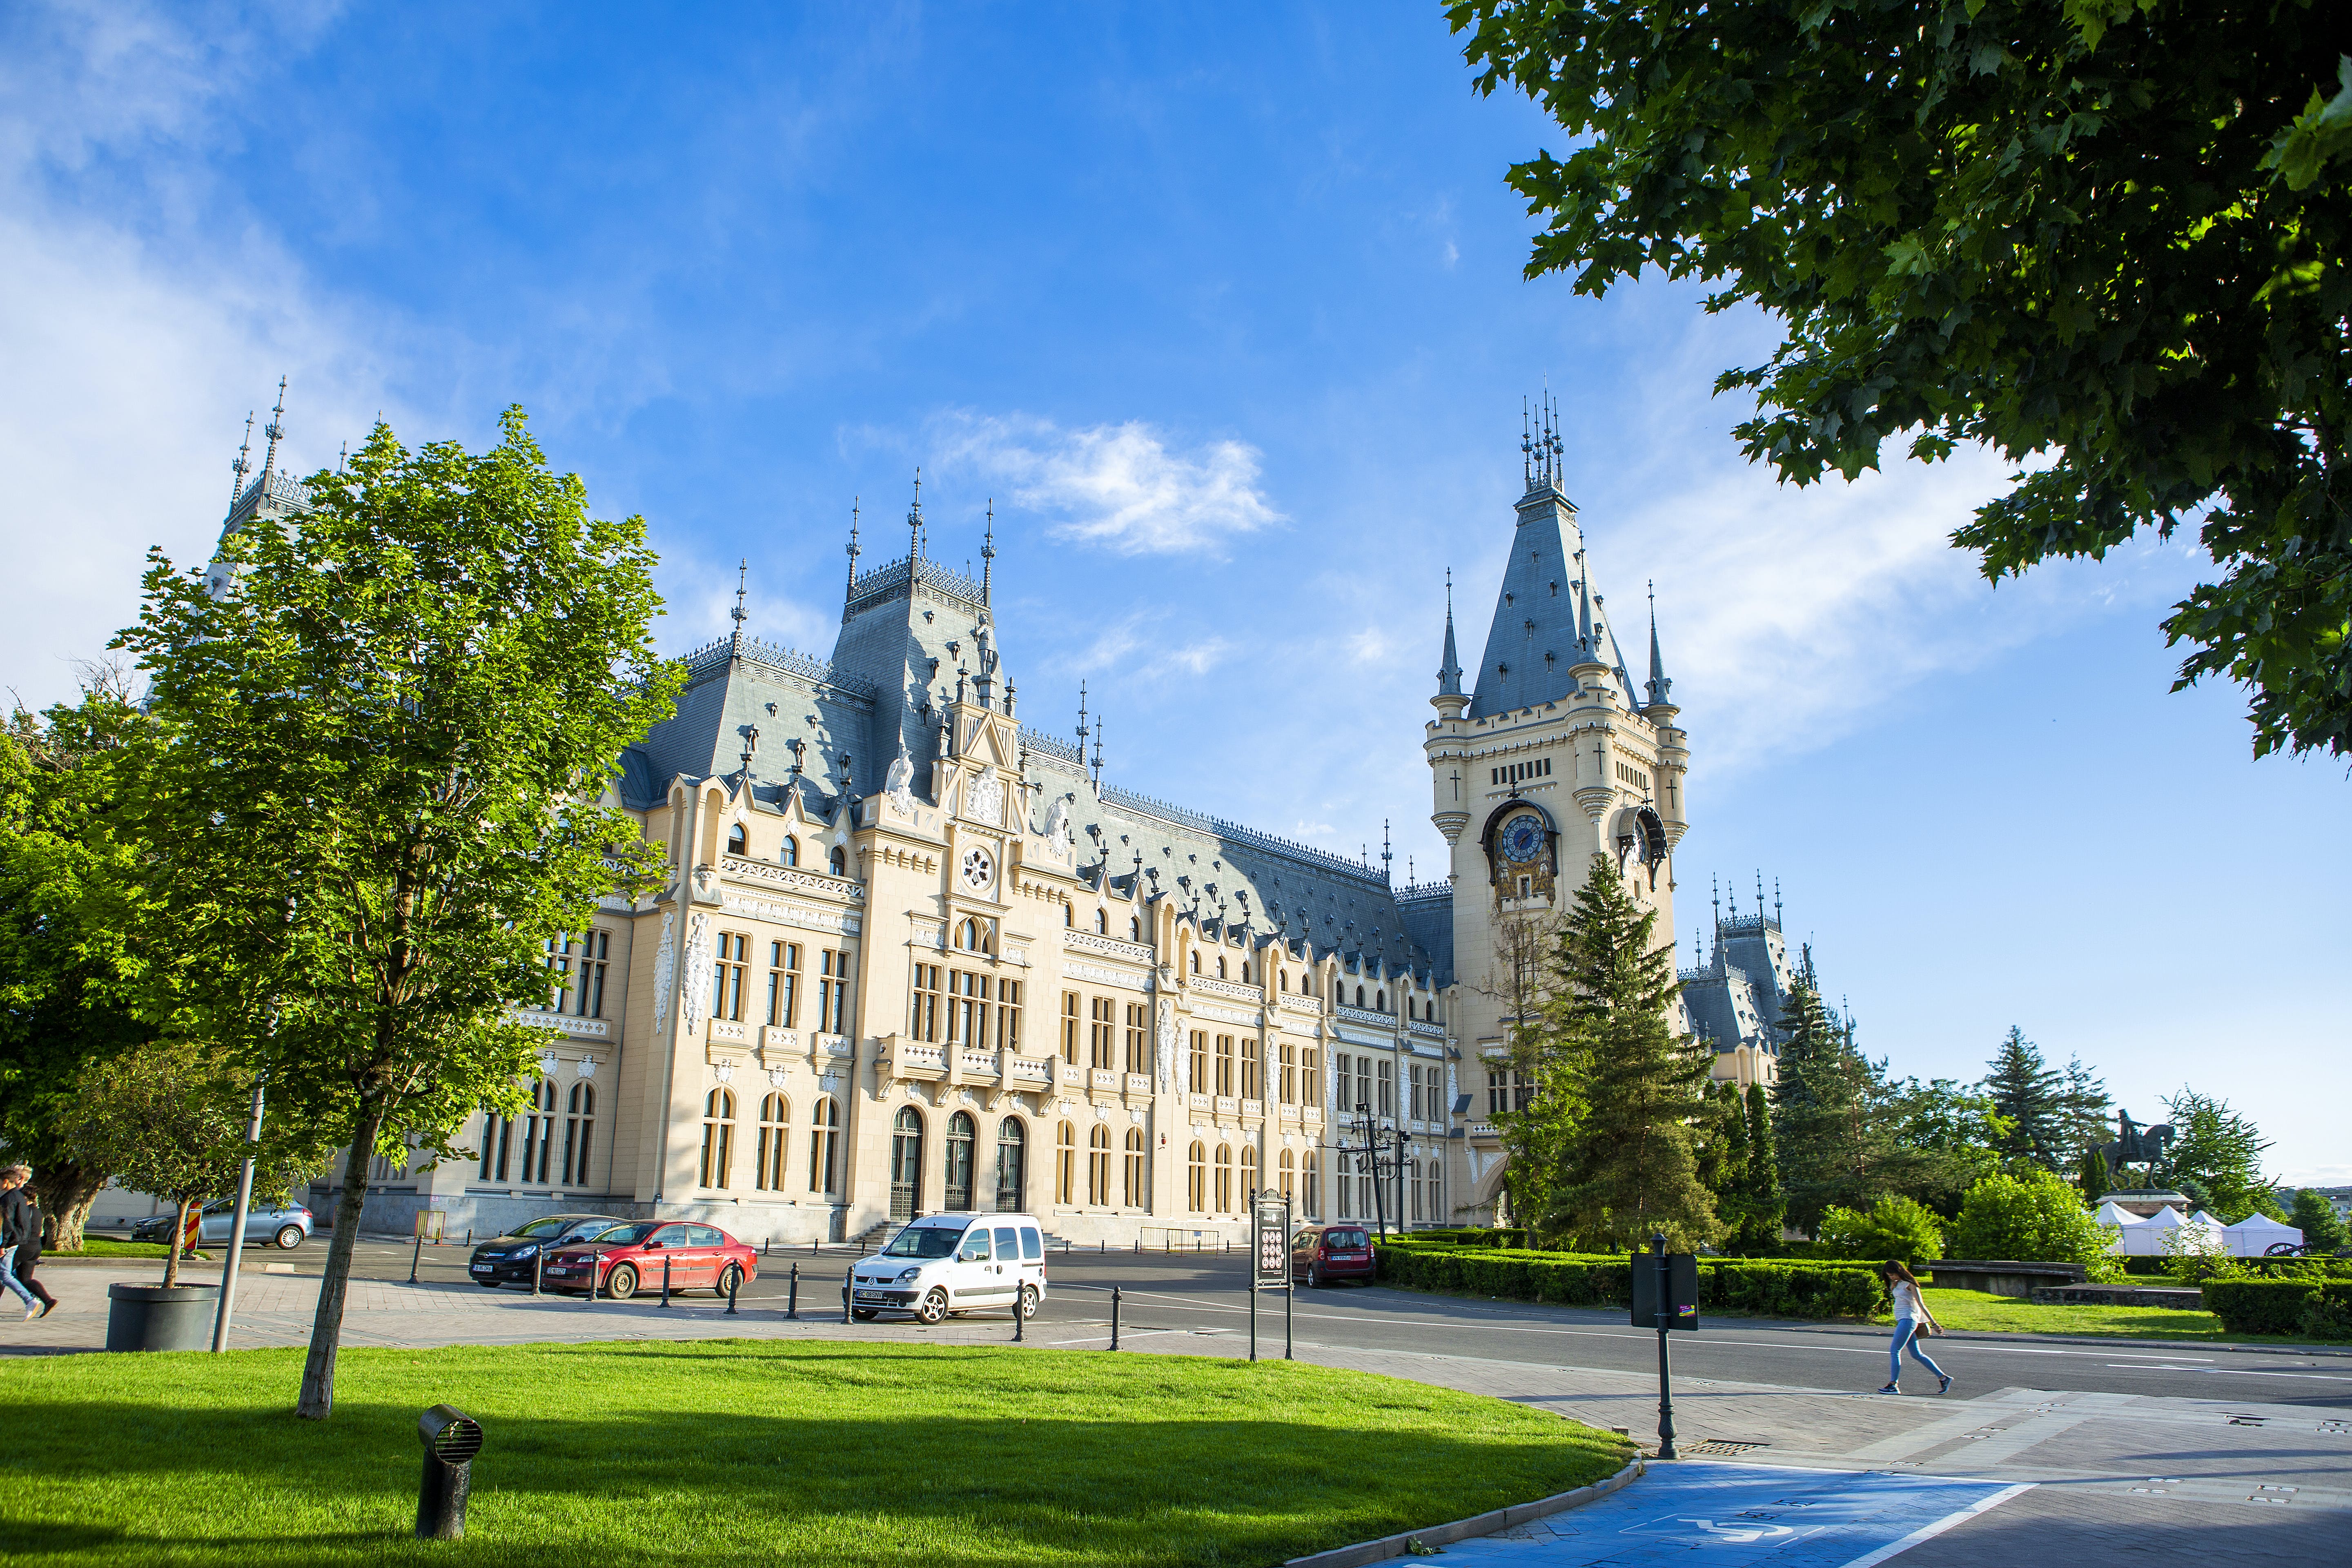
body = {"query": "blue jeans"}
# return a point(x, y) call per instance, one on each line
point(1907, 1333)
point(8, 1277)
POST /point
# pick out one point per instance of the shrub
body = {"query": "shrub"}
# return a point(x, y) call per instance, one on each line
point(2279, 1306)
point(2033, 1217)
point(1894, 1227)
point(2198, 1258)
point(1802, 1290)
point(2327, 1315)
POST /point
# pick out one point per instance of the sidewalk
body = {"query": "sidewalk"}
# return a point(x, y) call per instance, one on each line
point(2210, 1469)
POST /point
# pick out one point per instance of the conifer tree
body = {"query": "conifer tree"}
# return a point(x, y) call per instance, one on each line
point(2030, 1095)
point(2092, 1176)
point(1834, 1115)
point(1633, 1168)
point(2086, 1113)
point(1764, 1205)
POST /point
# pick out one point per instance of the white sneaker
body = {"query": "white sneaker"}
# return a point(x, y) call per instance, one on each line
point(32, 1311)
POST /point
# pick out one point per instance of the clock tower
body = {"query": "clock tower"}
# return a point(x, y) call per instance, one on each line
point(1552, 756)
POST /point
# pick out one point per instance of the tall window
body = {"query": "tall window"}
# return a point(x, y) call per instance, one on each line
point(923, 1021)
point(1311, 1075)
point(1341, 1062)
point(1252, 1064)
point(838, 862)
point(1309, 1168)
point(1008, 1015)
point(788, 853)
point(1137, 1193)
point(962, 1134)
point(497, 1134)
point(1102, 1034)
point(718, 1137)
point(1135, 928)
point(970, 936)
point(1011, 1149)
point(1198, 1077)
point(833, 992)
point(1412, 1089)
point(1224, 1067)
point(1381, 1002)
point(1342, 1189)
point(1284, 1174)
point(968, 1003)
point(1221, 966)
point(1098, 1166)
point(1070, 1028)
point(579, 1134)
point(1288, 1061)
point(785, 984)
point(579, 990)
point(824, 1143)
point(1139, 1037)
point(1102, 922)
point(539, 1132)
point(1364, 1178)
point(1412, 1187)
point(1066, 1164)
point(1364, 1083)
point(1196, 1179)
point(1249, 1171)
point(726, 977)
point(775, 1116)
point(1224, 1178)
point(738, 843)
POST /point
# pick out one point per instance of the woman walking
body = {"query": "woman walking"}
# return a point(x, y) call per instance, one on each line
point(1911, 1319)
point(29, 1250)
point(16, 1203)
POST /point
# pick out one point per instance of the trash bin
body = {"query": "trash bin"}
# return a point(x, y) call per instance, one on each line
point(161, 1316)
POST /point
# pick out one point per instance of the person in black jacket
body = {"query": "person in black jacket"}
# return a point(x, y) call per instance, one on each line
point(15, 1208)
point(28, 1239)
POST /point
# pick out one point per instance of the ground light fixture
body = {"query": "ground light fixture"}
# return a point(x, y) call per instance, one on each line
point(451, 1439)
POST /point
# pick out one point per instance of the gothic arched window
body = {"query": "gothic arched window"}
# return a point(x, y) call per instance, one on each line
point(718, 1137)
point(775, 1113)
point(788, 853)
point(738, 843)
point(838, 862)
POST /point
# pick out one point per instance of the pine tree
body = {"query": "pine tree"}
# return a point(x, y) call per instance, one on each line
point(2027, 1091)
point(1835, 1117)
point(2092, 1176)
point(1763, 1206)
point(1634, 1170)
point(2086, 1113)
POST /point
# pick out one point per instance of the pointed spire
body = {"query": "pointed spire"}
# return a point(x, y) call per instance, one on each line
point(1584, 610)
point(987, 553)
point(1659, 686)
point(1527, 446)
point(1099, 740)
point(1449, 672)
point(1388, 854)
point(915, 522)
point(737, 614)
point(274, 430)
point(1083, 731)
point(851, 592)
point(242, 465)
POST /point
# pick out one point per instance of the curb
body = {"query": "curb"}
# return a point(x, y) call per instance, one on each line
point(1397, 1545)
point(1999, 1336)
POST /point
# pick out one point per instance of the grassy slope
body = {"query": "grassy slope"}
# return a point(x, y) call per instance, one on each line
point(759, 1451)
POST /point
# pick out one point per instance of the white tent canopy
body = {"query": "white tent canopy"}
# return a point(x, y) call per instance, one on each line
point(2257, 1234)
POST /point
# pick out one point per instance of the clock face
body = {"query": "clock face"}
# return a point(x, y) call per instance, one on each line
point(978, 867)
point(1522, 839)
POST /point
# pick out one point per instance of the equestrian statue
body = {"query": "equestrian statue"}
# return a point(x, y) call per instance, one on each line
point(2138, 1146)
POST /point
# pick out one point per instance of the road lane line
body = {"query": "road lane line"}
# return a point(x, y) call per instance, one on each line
point(1928, 1531)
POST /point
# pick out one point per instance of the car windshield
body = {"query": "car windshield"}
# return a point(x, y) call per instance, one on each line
point(540, 1227)
point(923, 1241)
point(624, 1235)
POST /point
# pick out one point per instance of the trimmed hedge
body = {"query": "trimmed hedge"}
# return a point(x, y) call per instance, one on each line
point(2274, 1267)
point(1481, 1237)
point(1800, 1291)
point(2273, 1306)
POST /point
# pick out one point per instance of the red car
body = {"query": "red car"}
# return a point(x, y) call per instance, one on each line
point(1322, 1253)
point(629, 1258)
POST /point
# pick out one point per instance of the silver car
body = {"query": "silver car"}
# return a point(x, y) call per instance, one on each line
point(284, 1225)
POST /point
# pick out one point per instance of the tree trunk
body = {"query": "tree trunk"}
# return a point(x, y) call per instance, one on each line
point(179, 1228)
point(67, 1189)
point(318, 1399)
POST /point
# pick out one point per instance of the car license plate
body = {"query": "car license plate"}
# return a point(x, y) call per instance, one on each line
point(869, 1295)
point(481, 1268)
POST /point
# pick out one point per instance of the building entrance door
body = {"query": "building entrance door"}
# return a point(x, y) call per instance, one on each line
point(906, 1164)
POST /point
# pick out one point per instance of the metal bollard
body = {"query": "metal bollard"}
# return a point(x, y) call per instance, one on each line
point(734, 1278)
point(418, 1252)
point(451, 1439)
point(845, 1298)
point(537, 1261)
point(595, 1272)
point(1102, 1245)
point(1019, 1294)
point(793, 1296)
point(1114, 1317)
point(811, 1246)
point(664, 1301)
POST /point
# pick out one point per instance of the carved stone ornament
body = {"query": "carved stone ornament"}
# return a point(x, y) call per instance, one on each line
point(587, 1067)
point(1165, 1064)
point(899, 783)
point(690, 996)
point(776, 1077)
point(724, 1073)
point(1102, 1113)
point(664, 966)
point(1138, 1115)
point(548, 1061)
point(983, 802)
point(1057, 827)
point(706, 884)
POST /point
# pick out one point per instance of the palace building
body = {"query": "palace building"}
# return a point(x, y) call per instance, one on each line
point(913, 954)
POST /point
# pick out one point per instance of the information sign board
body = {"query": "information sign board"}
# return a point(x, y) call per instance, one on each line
point(1681, 1290)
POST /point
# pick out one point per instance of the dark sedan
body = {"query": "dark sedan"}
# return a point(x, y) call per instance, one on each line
point(509, 1259)
point(1322, 1253)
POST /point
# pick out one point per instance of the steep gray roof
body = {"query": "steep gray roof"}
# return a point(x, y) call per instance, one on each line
point(1545, 613)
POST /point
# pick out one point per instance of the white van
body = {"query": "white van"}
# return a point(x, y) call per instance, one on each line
point(954, 1263)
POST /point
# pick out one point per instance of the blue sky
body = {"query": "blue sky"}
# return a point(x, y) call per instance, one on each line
point(1222, 305)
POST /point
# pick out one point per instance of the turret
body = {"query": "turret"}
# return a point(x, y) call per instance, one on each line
point(1450, 701)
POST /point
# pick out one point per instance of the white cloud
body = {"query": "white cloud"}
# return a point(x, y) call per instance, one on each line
point(1201, 656)
point(1119, 486)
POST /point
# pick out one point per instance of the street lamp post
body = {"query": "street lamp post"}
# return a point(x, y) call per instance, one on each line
point(237, 1223)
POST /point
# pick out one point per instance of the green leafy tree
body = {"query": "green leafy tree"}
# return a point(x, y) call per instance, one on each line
point(1894, 1226)
point(76, 973)
point(2033, 1216)
point(170, 1118)
point(2029, 1095)
point(1952, 1134)
point(1634, 1170)
point(1538, 1125)
point(2106, 238)
point(2221, 1151)
point(2322, 1228)
point(382, 783)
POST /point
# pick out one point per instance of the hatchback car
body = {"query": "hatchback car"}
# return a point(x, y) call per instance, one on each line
point(284, 1225)
point(630, 1258)
point(1322, 1253)
point(509, 1259)
point(953, 1263)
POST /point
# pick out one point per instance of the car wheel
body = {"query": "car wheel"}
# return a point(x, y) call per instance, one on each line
point(934, 1305)
point(729, 1279)
point(863, 1314)
point(289, 1237)
point(1028, 1301)
point(1314, 1278)
point(621, 1283)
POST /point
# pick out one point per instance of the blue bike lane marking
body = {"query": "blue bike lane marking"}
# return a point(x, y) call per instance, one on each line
point(1751, 1513)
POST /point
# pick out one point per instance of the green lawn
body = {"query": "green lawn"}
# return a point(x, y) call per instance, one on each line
point(1976, 1311)
point(106, 1246)
point(759, 1451)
